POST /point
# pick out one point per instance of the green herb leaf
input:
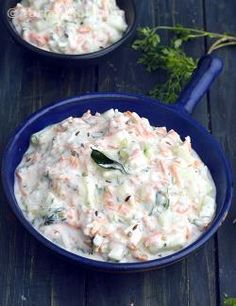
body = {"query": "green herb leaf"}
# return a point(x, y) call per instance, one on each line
point(162, 203)
point(34, 140)
point(166, 204)
point(105, 162)
point(56, 216)
point(148, 44)
point(177, 43)
point(162, 199)
point(229, 301)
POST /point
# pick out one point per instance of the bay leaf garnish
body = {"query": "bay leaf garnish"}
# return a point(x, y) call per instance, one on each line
point(105, 162)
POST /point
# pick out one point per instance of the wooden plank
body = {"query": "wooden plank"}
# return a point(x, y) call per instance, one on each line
point(220, 17)
point(46, 280)
point(30, 274)
point(191, 282)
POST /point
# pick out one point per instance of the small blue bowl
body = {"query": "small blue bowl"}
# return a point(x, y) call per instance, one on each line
point(128, 6)
point(173, 117)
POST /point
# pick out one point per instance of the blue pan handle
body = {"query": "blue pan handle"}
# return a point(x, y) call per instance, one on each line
point(209, 67)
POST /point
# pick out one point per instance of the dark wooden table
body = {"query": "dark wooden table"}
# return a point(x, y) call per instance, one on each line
point(32, 275)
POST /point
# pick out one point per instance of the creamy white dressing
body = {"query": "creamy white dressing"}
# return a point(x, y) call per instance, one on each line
point(158, 202)
point(70, 26)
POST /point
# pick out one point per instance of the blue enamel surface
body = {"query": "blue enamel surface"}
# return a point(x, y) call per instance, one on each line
point(82, 59)
point(209, 67)
point(159, 115)
point(173, 117)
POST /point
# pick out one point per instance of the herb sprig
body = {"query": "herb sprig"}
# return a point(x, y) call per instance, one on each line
point(228, 301)
point(172, 58)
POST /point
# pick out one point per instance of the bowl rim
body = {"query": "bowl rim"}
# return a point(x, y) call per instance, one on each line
point(103, 265)
point(61, 56)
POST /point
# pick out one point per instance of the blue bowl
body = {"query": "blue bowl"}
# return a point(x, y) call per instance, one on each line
point(129, 8)
point(175, 117)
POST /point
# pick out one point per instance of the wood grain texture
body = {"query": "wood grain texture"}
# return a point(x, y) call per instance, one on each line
point(192, 281)
point(32, 275)
point(222, 101)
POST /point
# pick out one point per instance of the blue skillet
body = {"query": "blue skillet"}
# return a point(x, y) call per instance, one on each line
point(177, 117)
